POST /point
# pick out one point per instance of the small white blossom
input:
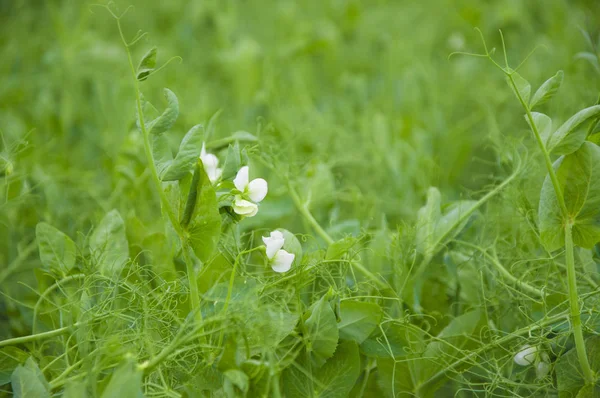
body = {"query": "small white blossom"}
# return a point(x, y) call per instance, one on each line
point(273, 243)
point(254, 190)
point(526, 356)
point(211, 163)
point(244, 207)
point(533, 356)
point(279, 259)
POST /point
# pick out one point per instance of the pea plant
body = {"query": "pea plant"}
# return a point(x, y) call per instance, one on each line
point(491, 295)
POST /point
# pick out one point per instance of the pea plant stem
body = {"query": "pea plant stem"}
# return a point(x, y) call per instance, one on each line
point(575, 315)
point(164, 201)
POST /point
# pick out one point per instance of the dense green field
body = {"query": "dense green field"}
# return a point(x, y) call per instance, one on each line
point(320, 198)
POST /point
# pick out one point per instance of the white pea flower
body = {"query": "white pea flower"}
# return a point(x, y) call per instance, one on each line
point(252, 192)
point(211, 163)
point(526, 356)
point(279, 259)
point(533, 356)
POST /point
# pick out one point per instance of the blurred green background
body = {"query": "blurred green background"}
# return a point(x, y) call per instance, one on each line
point(357, 99)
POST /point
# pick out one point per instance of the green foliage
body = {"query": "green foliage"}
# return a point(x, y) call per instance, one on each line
point(27, 381)
point(578, 176)
point(57, 250)
point(109, 244)
point(547, 90)
point(427, 246)
point(321, 331)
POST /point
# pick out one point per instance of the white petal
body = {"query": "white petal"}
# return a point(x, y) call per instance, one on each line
point(273, 243)
point(282, 262)
point(244, 207)
point(209, 161)
point(542, 369)
point(241, 179)
point(526, 356)
point(214, 174)
point(257, 189)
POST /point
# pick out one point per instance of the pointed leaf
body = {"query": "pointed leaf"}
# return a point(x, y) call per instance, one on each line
point(167, 119)
point(322, 331)
point(340, 372)
point(27, 381)
point(147, 64)
point(568, 138)
point(547, 90)
point(109, 243)
point(358, 319)
point(189, 152)
point(161, 152)
point(205, 225)
point(57, 250)
point(579, 180)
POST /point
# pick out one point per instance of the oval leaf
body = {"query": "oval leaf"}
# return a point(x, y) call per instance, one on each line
point(165, 121)
point(189, 151)
point(567, 138)
point(322, 331)
point(358, 319)
point(579, 179)
point(547, 90)
point(57, 250)
point(147, 64)
point(109, 243)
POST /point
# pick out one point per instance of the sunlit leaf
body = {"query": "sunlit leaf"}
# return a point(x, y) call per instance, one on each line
point(188, 153)
point(322, 330)
point(568, 138)
point(547, 90)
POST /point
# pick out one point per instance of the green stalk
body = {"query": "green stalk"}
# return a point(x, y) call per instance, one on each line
point(164, 201)
point(575, 313)
point(575, 316)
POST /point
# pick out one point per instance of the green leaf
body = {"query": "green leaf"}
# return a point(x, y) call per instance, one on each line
point(569, 376)
point(589, 391)
point(27, 381)
point(233, 161)
point(358, 319)
point(340, 372)
point(547, 90)
point(434, 228)
point(167, 119)
point(523, 86)
point(205, 227)
point(579, 180)
point(334, 379)
point(567, 138)
point(75, 389)
point(57, 250)
point(543, 124)
point(336, 250)
point(126, 381)
point(392, 340)
point(147, 64)
point(189, 151)
point(235, 378)
point(322, 331)
point(161, 152)
point(109, 243)
point(10, 358)
point(452, 342)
